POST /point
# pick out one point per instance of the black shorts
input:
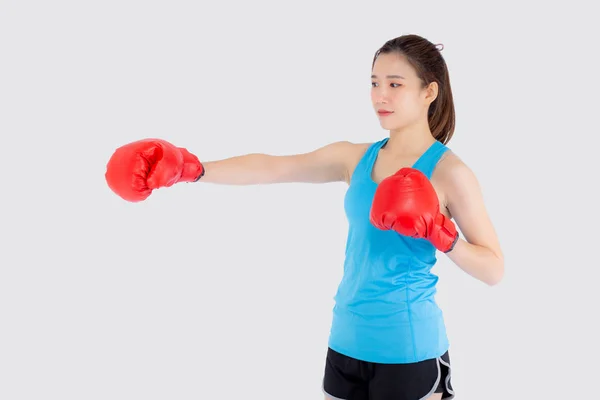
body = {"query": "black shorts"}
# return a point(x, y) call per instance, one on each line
point(349, 379)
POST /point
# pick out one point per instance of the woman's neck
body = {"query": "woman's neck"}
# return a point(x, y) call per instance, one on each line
point(409, 140)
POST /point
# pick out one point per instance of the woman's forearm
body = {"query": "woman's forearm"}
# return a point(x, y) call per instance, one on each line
point(248, 169)
point(477, 261)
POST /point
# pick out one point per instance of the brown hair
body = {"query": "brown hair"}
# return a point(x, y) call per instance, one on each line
point(427, 60)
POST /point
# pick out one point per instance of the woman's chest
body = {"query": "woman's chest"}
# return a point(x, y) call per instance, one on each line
point(384, 168)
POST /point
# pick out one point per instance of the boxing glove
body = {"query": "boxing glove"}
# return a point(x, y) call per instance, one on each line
point(136, 169)
point(407, 203)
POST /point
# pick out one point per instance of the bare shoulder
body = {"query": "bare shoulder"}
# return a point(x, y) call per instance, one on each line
point(347, 153)
point(450, 167)
point(354, 152)
point(454, 178)
point(348, 148)
point(457, 182)
point(332, 162)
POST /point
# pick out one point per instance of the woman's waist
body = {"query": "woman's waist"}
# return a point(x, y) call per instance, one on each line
point(386, 290)
point(382, 312)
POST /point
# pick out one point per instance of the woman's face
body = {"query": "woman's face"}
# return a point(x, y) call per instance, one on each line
point(397, 94)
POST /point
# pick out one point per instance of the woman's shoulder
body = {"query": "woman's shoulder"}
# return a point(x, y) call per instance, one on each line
point(451, 166)
point(351, 152)
point(356, 151)
point(353, 146)
point(453, 175)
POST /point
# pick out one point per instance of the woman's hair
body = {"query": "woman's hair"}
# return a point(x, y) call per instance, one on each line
point(426, 59)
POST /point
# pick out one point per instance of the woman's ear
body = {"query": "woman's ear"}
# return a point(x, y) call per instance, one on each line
point(431, 92)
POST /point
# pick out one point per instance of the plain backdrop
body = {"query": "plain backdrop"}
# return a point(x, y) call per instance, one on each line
point(222, 292)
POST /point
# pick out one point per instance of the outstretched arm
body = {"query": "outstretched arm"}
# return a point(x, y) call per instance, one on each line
point(136, 169)
point(325, 164)
point(479, 253)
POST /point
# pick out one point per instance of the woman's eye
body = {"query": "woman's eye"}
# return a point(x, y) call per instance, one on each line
point(374, 84)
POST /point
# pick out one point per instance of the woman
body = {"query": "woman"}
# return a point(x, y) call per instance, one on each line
point(388, 338)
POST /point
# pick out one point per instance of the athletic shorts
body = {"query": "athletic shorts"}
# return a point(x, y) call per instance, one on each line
point(347, 378)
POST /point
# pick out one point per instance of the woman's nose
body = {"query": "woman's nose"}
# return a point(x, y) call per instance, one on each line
point(380, 98)
point(380, 95)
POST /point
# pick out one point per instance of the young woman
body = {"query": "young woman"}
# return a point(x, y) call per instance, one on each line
point(405, 194)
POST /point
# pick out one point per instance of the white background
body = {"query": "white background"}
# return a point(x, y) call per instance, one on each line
point(220, 292)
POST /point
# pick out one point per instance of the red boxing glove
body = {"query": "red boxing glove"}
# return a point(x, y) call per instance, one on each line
point(137, 168)
point(407, 203)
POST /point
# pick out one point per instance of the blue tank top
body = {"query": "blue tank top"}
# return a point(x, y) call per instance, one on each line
point(385, 310)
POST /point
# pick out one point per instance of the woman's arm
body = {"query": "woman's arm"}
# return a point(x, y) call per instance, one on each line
point(479, 253)
point(325, 164)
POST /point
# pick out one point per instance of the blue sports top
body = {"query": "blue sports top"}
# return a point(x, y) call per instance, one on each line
point(385, 310)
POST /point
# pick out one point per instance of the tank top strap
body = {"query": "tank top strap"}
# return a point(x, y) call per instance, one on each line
point(365, 165)
point(428, 160)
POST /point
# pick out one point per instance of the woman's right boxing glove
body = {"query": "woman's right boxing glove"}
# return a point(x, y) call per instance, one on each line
point(136, 169)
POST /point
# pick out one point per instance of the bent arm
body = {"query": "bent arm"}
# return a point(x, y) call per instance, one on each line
point(479, 253)
point(326, 164)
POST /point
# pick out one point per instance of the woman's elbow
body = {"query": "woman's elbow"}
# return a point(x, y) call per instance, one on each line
point(497, 272)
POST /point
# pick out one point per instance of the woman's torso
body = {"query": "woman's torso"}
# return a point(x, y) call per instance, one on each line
point(385, 309)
